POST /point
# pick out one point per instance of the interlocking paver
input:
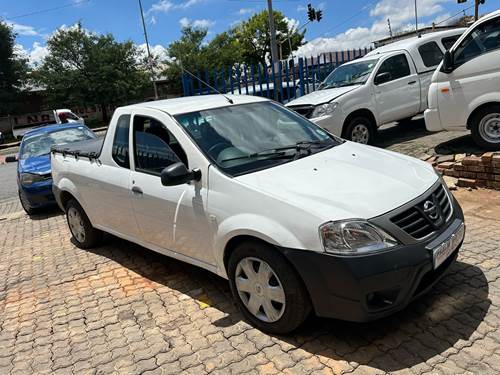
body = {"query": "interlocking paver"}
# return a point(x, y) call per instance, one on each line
point(123, 309)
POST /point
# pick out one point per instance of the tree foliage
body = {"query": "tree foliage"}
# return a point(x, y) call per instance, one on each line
point(84, 68)
point(13, 70)
point(246, 43)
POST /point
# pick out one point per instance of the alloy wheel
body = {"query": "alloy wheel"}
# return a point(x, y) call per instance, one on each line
point(260, 289)
point(360, 134)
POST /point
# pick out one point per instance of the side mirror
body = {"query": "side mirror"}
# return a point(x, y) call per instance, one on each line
point(11, 159)
point(382, 78)
point(178, 174)
point(447, 62)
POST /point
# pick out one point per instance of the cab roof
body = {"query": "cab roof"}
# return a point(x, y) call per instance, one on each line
point(188, 104)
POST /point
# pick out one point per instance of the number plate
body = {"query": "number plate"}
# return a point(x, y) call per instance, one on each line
point(443, 251)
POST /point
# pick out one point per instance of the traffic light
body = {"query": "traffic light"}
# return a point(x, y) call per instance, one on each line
point(311, 13)
point(319, 15)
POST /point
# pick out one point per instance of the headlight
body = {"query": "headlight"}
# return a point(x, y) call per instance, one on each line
point(324, 109)
point(354, 237)
point(30, 178)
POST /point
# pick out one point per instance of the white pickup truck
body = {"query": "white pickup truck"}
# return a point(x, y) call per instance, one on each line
point(23, 124)
point(388, 84)
point(297, 219)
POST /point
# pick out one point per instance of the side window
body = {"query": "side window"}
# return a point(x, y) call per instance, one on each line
point(155, 148)
point(449, 41)
point(431, 54)
point(397, 66)
point(484, 38)
point(120, 150)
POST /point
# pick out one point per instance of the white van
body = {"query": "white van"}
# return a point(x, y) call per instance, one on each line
point(388, 84)
point(465, 89)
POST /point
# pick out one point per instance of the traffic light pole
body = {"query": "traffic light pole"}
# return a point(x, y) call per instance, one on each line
point(274, 46)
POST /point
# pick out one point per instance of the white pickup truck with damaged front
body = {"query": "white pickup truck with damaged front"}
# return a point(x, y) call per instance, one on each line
point(388, 84)
point(297, 219)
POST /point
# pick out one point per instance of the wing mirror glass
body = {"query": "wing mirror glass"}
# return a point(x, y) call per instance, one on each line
point(447, 62)
point(382, 78)
point(11, 159)
point(178, 174)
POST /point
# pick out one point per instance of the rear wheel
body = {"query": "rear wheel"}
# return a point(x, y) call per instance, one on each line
point(267, 289)
point(360, 129)
point(84, 234)
point(485, 127)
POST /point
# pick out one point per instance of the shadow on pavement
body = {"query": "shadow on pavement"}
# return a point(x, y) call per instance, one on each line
point(406, 131)
point(461, 145)
point(427, 328)
point(47, 213)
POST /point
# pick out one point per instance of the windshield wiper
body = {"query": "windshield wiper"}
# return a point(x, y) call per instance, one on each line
point(278, 152)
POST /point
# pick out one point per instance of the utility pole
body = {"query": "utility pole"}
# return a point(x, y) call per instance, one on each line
point(150, 61)
point(476, 10)
point(416, 18)
point(274, 46)
point(390, 29)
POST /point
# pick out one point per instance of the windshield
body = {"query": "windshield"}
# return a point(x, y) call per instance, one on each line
point(40, 144)
point(349, 74)
point(249, 137)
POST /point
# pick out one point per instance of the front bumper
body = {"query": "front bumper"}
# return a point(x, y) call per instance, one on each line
point(364, 288)
point(432, 120)
point(333, 123)
point(39, 194)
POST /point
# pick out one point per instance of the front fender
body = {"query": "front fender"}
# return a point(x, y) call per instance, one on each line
point(253, 225)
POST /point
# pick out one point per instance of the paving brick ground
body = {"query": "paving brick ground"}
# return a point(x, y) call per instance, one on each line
point(123, 309)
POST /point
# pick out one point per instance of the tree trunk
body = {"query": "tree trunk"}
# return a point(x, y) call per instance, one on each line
point(104, 110)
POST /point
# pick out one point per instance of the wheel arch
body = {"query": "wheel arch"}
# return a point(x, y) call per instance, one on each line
point(365, 112)
point(479, 108)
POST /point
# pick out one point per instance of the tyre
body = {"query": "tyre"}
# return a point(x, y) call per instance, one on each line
point(85, 236)
point(360, 129)
point(26, 204)
point(485, 127)
point(267, 289)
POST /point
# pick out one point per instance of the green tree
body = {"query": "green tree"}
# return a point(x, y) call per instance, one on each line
point(254, 38)
point(84, 68)
point(13, 70)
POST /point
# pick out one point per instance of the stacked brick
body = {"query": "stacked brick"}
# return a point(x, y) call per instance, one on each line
point(472, 171)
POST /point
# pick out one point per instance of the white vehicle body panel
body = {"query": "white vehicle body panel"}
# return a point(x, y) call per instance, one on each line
point(454, 96)
point(283, 205)
point(392, 101)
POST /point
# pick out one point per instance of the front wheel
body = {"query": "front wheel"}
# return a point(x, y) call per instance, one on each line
point(267, 289)
point(26, 204)
point(361, 130)
point(85, 236)
point(485, 127)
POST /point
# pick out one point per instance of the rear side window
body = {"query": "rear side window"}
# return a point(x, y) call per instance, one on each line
point(449, 41)
point(431, 54)
point(120, 151)
point(484, 38)
point(397, 66)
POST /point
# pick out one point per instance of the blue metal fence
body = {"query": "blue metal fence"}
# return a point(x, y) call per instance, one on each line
point(290, 79)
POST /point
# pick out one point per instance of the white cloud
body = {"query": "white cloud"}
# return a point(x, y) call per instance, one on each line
point(201, 23)
point(401, 14)
point(156, 51)
point(24, 30)
point(35, 54)
point(165, 6)
point(244, 11)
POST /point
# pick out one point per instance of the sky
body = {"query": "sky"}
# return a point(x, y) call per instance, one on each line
point(345, 24)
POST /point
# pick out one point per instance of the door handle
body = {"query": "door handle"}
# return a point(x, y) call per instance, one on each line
point(136, 190)
point(412, 82)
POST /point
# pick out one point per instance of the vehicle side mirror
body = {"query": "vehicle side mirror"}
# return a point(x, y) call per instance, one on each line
point(447, 62)
point(382, 78)
point(178, 174)
point(11, 159)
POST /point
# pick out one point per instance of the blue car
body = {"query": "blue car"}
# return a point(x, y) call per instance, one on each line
point(34, 179)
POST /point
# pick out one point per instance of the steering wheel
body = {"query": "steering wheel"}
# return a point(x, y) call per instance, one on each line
point(218, 146)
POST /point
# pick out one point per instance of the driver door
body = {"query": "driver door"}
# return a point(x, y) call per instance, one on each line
point(171, 218)
point(398, 96)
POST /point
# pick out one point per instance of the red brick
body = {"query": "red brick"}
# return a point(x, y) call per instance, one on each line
point(466, 182)
point(485, 176)
point(471, 160)
point(496, 177)
point(446, 164)
point(468, 174)
point(487, 157)
point(474, 168)
point(481, 183)
point(459, 167)
point(451, 172)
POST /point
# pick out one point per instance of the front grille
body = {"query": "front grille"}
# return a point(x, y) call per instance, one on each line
point(427, 216)
point(304, 110)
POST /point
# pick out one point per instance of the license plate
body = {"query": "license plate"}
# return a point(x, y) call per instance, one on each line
point(443, 251)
